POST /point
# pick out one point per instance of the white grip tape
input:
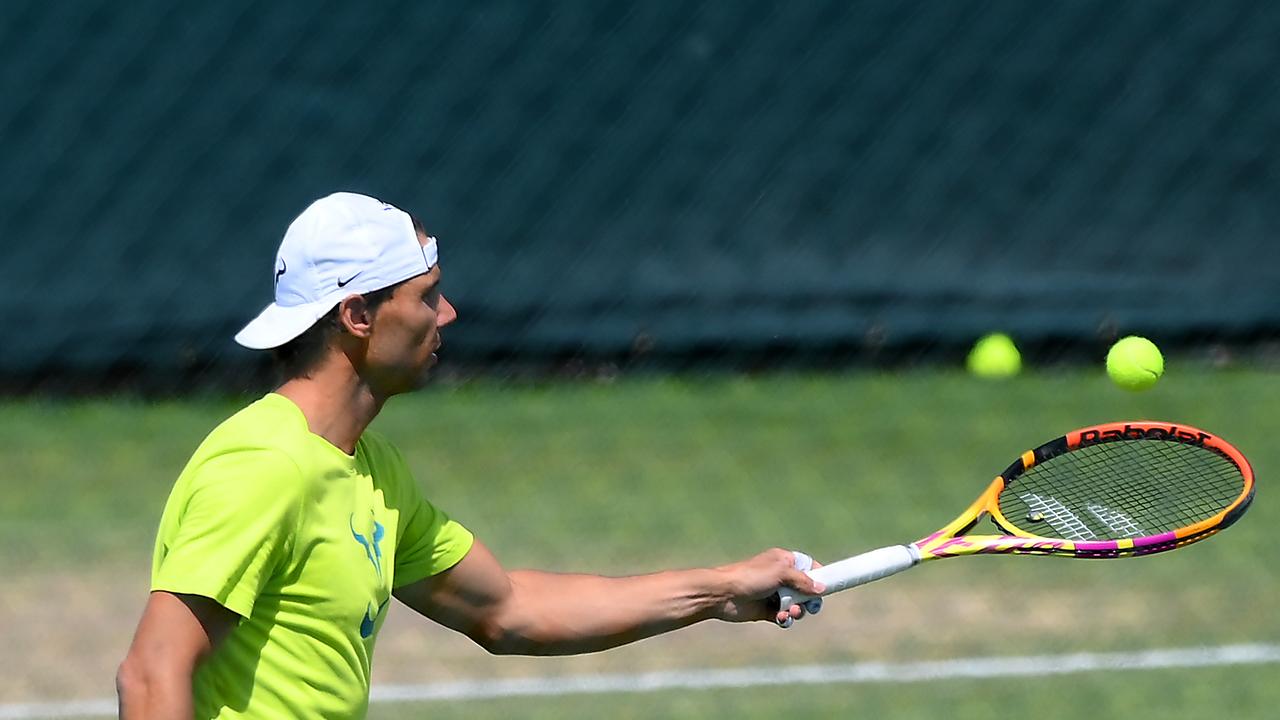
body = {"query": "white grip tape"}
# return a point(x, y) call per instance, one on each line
point(855, 571)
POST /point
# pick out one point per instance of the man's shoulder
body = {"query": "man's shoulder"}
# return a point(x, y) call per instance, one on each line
point(383, 458)
point(374, 443)
point(264, 433)
point(379, 452)
point(269, 423)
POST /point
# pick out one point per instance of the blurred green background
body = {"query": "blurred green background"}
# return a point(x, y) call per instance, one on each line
point(717, 266)
point(644, 185)
point(644, 473)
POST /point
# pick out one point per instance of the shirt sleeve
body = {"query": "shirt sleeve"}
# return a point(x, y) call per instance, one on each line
point(430, 541)
point(234, 528)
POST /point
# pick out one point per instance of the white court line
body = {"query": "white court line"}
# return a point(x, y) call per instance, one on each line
point(872, 672)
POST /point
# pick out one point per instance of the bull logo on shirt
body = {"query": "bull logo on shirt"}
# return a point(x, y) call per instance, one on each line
point(370, 536)
point(369, 540)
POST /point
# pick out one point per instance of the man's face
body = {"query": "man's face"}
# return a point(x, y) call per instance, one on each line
point(406, 333)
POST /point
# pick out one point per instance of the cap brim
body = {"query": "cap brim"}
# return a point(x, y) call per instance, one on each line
point(277, 324)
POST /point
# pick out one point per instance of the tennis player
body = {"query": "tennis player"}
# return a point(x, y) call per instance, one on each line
point(292, 526)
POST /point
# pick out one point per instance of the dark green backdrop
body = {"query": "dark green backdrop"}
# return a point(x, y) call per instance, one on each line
point(683, 179)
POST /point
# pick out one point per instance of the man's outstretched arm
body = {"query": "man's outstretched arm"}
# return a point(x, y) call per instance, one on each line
point(529, 612)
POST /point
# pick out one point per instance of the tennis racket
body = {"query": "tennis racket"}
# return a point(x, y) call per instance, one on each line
point(1107, 491)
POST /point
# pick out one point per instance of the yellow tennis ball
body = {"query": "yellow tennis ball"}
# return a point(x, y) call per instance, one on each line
point(994, 356)
point(1135, 363)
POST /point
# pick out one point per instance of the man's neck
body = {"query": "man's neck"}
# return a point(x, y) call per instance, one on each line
point(338, 406)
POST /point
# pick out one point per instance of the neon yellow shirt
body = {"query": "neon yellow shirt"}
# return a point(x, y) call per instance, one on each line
point(304, 543)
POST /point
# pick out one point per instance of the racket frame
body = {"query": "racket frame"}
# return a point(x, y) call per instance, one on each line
point(951, 540)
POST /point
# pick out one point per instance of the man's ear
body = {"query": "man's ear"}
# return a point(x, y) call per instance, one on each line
point(354, 316)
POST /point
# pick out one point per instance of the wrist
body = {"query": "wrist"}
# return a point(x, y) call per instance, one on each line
point(721, 592)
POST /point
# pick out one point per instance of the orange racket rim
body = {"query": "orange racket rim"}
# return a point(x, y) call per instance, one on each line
point(1109, 432)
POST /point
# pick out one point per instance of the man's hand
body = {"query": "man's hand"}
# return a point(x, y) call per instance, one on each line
point(755, 584)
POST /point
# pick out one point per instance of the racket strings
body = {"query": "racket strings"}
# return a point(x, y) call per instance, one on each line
point(1122, 489)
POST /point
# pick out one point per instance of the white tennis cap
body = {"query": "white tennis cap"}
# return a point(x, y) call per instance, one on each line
point(344, 244)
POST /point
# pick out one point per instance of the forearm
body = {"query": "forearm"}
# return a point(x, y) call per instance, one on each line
point(554, 614)
point(528, 612)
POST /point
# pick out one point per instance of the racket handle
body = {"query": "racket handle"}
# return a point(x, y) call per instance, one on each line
point(855, 571)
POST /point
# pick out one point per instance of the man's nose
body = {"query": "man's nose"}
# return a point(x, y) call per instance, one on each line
point(447, 313)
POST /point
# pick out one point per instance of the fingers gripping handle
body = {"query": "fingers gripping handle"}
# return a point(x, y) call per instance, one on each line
point(855, 571)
